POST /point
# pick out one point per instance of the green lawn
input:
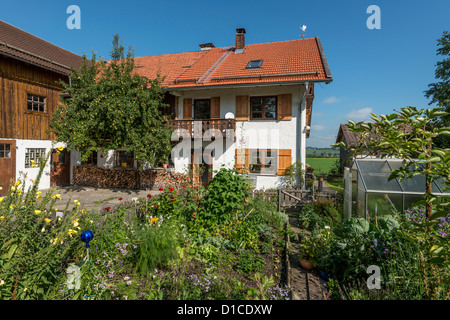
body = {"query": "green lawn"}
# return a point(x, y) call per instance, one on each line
point(321, 165)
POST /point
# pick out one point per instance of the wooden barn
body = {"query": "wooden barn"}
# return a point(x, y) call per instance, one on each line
point(30, 71)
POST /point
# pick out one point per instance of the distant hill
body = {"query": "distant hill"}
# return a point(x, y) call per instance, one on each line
point(313, 152)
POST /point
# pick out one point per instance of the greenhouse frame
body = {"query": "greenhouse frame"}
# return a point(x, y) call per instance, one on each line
point(368, 193)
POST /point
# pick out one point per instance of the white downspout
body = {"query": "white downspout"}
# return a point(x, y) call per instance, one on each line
point(302, 131)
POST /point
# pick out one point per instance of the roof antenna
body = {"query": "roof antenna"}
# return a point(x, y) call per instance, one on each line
point(303, 28)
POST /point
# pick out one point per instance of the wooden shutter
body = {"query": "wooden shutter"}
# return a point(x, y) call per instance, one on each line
point(285, 106)
point(215, 108)
point(242, 160)
point(242, 108)
point(284, 161)
point(187, 109)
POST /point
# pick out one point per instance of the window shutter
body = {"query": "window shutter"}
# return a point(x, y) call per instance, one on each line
point(187, 109)
point(285, 106)
point(242, 108)
point(215, 108)
point(242, 160)
point(284, 161)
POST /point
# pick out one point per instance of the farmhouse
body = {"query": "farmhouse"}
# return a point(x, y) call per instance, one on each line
point(256, 98)
point(30, 71)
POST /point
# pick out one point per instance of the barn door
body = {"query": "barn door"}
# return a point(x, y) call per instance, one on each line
point(7, 164)
point(60, 170)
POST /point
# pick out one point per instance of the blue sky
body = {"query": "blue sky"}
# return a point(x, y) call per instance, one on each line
point(373, 70)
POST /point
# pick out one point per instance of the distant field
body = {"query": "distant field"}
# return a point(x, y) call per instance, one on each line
point(322, 153)
point(321, 165)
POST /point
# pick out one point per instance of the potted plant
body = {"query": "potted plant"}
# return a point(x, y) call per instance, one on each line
point(308, 254)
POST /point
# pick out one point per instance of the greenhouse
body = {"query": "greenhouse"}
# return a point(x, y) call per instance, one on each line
point(369, 193)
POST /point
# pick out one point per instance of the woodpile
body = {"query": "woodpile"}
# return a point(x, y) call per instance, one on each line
point(128, 179)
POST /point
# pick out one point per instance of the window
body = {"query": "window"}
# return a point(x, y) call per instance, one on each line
point(254, 64)
point(5, 151)
point(92, 160)
point(35, 103)
point(124, 159)
point(263, 108)
point(263, 161)
point(33, 154)
point(202, 109)
point(62, 158)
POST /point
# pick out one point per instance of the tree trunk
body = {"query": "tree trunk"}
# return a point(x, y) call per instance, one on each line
point(428, 190)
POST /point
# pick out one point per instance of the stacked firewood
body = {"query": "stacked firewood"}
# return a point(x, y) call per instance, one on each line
point(127, 179)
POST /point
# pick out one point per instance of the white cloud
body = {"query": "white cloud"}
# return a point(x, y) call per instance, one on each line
point(330, 100)
point(317, 127)
point(359, 114)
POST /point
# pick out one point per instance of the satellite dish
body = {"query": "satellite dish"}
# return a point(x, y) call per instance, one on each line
point(229, 115)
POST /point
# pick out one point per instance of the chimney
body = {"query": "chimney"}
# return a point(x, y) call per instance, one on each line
point(240, 39)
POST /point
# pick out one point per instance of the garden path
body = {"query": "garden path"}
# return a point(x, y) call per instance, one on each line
point(305, 285)
point(95, 198)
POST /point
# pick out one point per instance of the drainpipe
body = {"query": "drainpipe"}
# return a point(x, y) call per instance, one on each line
point(302, 131)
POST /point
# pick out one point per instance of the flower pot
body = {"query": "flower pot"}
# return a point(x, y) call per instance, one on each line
point(307, 265)
point(165, 165)
point(324, 275)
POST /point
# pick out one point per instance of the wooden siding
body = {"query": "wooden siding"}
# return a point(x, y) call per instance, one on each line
point(17, 79)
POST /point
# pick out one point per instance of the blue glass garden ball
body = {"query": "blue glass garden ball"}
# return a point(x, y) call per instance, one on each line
point(87, 236)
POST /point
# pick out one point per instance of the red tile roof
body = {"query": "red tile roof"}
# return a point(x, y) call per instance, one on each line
point(285, 61)
point(24, 46)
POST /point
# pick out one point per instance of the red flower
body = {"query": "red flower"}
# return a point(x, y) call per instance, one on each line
point(108, 208)
point(193, 215)
point(177, 179)
point(170, 188)
point(120, 198)
point(184, 187)
point(155, 206)
point(149, 196)
point(170, 180)
point(197, 198)
point(161, 189)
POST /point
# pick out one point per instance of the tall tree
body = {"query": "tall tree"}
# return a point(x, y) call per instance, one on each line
point(439, 92)
point(109, 106)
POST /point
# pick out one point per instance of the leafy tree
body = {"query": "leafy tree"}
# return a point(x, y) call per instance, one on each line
point(109, 106)
point(439, 92)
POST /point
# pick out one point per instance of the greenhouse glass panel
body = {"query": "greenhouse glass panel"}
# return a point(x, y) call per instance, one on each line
point(416, 183)
point(380, 204)
point(376, 175)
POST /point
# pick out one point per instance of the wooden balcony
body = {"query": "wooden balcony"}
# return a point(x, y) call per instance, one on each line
point(198, 128)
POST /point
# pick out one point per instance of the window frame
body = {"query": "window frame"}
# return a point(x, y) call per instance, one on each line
point(194, 108)
point(129, 157)
point(261, 156)
point(263, 106)
point(92, 160)
point(36, 155)
point(43, 103)
point(3, 150)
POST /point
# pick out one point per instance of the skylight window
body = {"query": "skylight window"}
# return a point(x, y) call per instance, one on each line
point(254, 64)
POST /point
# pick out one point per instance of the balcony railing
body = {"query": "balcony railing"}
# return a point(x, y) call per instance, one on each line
point(198, 128)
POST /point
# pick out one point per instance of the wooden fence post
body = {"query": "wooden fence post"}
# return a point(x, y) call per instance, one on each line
point(279, 199)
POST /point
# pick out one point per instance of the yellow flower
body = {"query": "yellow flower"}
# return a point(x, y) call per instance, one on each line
point(2, 217)
point(43, 229)
point(71, 231)
point(13, 188)
point(60, 148)
point(56, 196)
point(18, 183)
point(47, 220)
point(37, 211)
point(2, 282)
point(1, 199)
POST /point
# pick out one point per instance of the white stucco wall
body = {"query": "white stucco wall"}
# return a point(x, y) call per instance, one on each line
point(256, 134)
point(31, 173)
